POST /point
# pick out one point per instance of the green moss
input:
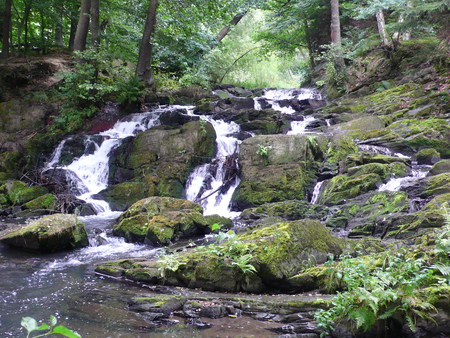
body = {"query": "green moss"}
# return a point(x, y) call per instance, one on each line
point(343, 187)
point(438, 184)
point(339, 148)
point(42, 202)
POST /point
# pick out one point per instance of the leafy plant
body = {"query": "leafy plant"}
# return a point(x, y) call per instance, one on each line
point(263, 152)
point(169, 262)
point(31, 325)
point(377, 292)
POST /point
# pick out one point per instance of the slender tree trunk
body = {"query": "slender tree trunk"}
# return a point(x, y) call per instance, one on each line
point(407, 34)
point(335, 23)
point(309, 44)
point(79, 43)
point(73, 31)
point(144, 65)
point(382, 27)
point(59, 35)
point(43, 38)
point(225, 30)
point(6, 28)
point(95, 24)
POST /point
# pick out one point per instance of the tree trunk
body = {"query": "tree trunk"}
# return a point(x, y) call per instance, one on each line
point(382, 27)
point(309, 44)
point(59, 37)
point(225, 30)
point(79, 43)
point(73, 31)
point(95, 24)
point(24, 23)
point(144, 65)
point(335, 23)
point(6, 28)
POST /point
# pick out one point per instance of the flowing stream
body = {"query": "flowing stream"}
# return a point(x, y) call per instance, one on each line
point(64, 284)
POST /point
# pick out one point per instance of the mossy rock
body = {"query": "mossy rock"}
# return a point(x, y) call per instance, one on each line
point(163, 157)
point(366, 157)
point(278, 252)
point(440, 167)
point(436, 185)
point(160, 220)
point(52, 233)
point(224, 222)
point(363, 213)
point(162, 305)
point(342, 188)
point(42, 205)
point(340, 147)
point(19, 193)
point(385, 171)
point(121, 196)
point(358, 126)
point(288, 210)
point(287, 171)
point(428, 156)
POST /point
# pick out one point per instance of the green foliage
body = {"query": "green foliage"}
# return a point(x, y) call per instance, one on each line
point(380, 287)
point(168, 262)
point(263, 152)
point(31, 325)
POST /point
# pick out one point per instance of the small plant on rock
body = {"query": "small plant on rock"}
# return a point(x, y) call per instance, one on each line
point(31, 325)
point(263, 152)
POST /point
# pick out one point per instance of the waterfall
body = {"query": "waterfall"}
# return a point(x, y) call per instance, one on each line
point(299, 127)
point(89, 173)
point(316, 192)
point(212, 185)
point(395, 184)
point(380, 150)
point(274, 96)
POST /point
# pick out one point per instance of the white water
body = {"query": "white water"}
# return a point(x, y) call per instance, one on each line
point(380, 150)
point(316, 192)
point(204, 184)
point(272, 96)
point(395, 184)
point(90, 172)
point(299, 127)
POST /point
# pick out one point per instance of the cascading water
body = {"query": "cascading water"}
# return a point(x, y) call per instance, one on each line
point(395, 184)
point(212, 184)
point(316, 192)
point(273, 97)
point(89, 173)
point(299, 127)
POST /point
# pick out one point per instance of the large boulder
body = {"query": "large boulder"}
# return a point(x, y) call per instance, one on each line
point(278, 168)
point(19, 192)
point(440, 168)
point(48, 234)
point(162, 158)
point(277, 252)
point(160, 220)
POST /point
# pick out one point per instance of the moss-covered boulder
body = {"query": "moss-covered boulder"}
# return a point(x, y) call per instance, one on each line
point(121, 196)
point(440, 167)
point(367, 157)
point(436, 185)
point(357, 126)
point(428, 156)
point(162, 157)
point(277, 252)
point(385, 171)
point(19, 192)
point(42, 205)
point(342, 188)
point(361, 215)
point(278, 168)
point(48, 234)
point(160, 220)
point(287, 210)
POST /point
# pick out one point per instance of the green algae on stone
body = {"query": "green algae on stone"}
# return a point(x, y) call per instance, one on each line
point(19, 193)
point(48, 234)
point(123, 195)
point(385, 171)
point(428, 156)
point(160, 220)
point(342, 188)
point(440, 167)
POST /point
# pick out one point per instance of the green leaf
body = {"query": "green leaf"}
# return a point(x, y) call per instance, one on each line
point(215, 226)
point(64, 331)
point(30, 324)
point(53, 320)
point(42, 327)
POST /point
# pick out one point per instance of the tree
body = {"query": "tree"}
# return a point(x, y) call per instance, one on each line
point(144, 65)
point(226, 29)
point(335, 23)
point(6, 28)
point(382, 27)
point(79, 43)
point(95, 23)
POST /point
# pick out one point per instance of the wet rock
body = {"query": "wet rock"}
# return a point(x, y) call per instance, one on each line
point(163, 157)
point(18, 192)
point(160, 220)
point(428, 156)
point(286, 172)
point(121, 196)
point(440, 167)
point(48, 234)
point(176, 118)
